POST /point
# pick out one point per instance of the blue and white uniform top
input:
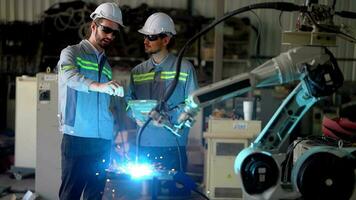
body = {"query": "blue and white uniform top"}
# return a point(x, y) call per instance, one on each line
point(84, 113)
point(150, 80)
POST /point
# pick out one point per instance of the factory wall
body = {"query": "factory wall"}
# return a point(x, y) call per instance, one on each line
point(271, 23)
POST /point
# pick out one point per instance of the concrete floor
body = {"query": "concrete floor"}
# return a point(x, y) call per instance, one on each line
point(116, 189)
point(127, 189)
point(17, 187)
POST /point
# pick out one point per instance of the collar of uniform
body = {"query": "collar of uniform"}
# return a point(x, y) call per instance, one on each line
point(163, 63)
point(164, 59)
point(90, 49)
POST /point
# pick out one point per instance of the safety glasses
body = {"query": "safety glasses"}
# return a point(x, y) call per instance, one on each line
point(154, 37)
point(106, 29)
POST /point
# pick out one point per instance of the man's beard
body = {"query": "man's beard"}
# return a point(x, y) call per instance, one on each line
point(101, 43)
point(151, 52)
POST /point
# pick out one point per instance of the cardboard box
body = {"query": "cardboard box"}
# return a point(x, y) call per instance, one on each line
point(240, 128)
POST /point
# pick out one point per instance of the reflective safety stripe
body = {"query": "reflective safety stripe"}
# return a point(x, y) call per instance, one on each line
point(174, 73)
point(165, 75)
point(67, 67)
point(170, 75)
point(143, 77)
point(85, 64)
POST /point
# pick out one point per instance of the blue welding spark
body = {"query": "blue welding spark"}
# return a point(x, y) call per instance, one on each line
point(133, 169)
point(140, 170)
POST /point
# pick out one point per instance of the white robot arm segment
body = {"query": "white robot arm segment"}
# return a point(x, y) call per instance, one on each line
point(285, 68)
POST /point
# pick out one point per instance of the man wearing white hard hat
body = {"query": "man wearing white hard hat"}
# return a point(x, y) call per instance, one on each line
point(150, 80)
point(85, 92)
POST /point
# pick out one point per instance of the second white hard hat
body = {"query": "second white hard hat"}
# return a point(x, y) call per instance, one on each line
point(158, 23)
point(110, 11)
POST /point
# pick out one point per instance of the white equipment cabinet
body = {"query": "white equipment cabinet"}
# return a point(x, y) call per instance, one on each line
point(25, 122)
point(228, 139)
point(48, 169)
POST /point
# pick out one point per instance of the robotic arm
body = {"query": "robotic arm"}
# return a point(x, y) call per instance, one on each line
point(290, 66)
point(259, 166)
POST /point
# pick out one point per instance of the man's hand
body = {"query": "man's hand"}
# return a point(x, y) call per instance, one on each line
point(111, 88)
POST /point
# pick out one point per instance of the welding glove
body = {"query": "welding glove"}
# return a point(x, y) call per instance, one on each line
point(119, 91)
point(111, 88)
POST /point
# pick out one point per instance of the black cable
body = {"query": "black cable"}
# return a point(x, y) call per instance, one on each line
point(193, 189)
point(201, 194)
point(280, 21)
point(138, 138)
point(317, 139)
point(287, 161)
point(330, 30)
point(179, 154)
point(346, 14)
point(333, 5)
point(283, 6)
point(289, 156)
point(258, 31)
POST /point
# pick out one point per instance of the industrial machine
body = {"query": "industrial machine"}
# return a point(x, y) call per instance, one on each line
point(320, 173)
point(48, 140)
point(259, 166)
point(25, 124)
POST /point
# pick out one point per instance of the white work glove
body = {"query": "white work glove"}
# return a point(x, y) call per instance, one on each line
point(119, 91)
point(111, 88)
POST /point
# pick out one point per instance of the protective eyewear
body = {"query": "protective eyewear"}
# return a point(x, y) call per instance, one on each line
point(153, 37)
point(106, 29)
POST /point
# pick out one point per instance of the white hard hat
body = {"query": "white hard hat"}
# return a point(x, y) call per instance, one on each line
point(110, 11)
point(158, 23)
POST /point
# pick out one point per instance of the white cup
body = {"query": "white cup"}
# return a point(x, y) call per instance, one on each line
point(248, 108)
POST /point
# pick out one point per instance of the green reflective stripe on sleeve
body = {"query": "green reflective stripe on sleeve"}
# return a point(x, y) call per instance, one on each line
point(67, 67)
